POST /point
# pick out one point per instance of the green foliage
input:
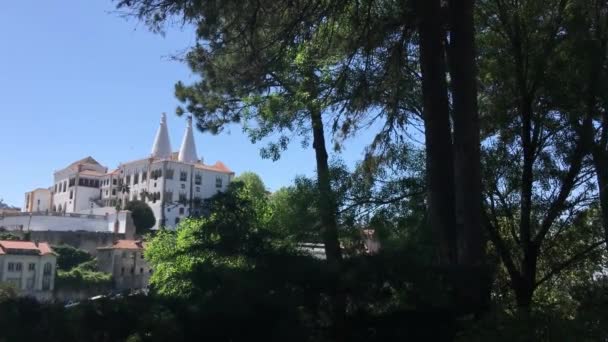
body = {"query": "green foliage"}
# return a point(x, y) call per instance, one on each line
point(7, 292)
point(83, 276)
point(142, 215)
point(69, 257)
point(10, 236)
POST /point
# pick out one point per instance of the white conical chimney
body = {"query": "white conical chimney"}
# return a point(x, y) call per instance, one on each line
point(187, 152)
point(162, 145)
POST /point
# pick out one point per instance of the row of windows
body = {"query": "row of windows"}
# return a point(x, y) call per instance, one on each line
point(107, 182)
point(158, 173)
point(91, 183)
point(63, 186)
point(17, 266)
point(141, 270)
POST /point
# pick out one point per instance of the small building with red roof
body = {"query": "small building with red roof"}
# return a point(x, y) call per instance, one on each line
point(124, 259)
point(28, 266)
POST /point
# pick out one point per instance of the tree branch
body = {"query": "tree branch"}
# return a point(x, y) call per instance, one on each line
point(577, 257)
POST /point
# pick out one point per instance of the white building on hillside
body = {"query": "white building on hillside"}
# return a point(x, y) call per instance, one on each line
point(172, 183)
point(28, 266)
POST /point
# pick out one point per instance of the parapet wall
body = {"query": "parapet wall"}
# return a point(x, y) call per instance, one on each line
point(120, 222)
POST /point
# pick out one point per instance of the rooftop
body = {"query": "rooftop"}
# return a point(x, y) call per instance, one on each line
point(125, 244)
point(17, 247)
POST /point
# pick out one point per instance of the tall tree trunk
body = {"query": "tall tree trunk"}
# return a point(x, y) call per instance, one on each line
point(475, 289)
point(328, 212)
point(600, 162)
point(525, 285)
point(438, 140)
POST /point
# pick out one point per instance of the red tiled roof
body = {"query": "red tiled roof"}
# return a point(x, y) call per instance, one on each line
point(218, 166)
point(125, 244)
point(43, 248)
point(86, 160)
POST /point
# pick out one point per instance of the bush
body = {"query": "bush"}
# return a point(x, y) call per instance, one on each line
point(69, 257)
point(84, 276)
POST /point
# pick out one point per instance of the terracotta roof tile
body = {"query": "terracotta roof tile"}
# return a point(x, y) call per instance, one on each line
point(125, 244)
point(43, 248)
point(218, 167)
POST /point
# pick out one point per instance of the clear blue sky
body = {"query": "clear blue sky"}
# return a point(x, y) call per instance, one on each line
point(77, 79)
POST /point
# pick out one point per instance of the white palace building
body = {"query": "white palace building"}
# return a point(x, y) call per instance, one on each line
point(172, 183)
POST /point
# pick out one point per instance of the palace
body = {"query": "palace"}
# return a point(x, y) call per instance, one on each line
point(172, 183)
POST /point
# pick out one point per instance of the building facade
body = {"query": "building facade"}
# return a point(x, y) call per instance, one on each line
point(37, 200)
point(124, 259)
point(28, 266)
point(172, 183)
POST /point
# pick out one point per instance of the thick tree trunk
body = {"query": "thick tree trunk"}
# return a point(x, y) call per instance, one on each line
point(475, 289)
point(525, 285)
point(329, 227)
point(438, 140)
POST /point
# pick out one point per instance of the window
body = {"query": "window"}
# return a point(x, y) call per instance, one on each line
point(55, 188)
point(114, 181)
point(113, 192)
point(183, 176)
point(31, 266)
point(198, 189)
point(72, 182)
point(218, 182)
point(106, 192)
point(176, 220)
point(65, 185)
point(11, 266)
point(71, 194)
point(122, 271)
point(136, 178)
point(144, 175)
point(48, 268)
point(150, 271)
point(198, 179)
point(169, 174)
point(128, 179)
point(156, 174)
point(182, 198)
point(18, 266)
point(168, 196)
point(124, 255)
point(141, 270)
point(181, 211)
point(183, 186)
point(46, 283)
point(29, 283)
point(38, 202)
point(141, 256)
point(132, 270)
